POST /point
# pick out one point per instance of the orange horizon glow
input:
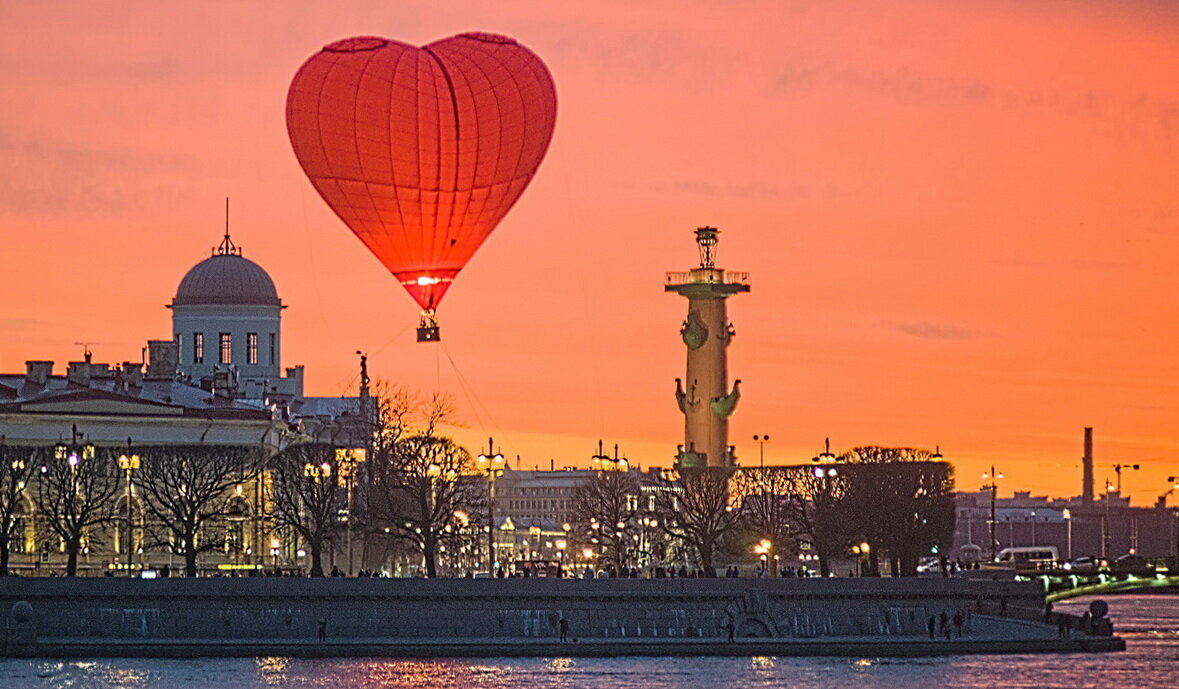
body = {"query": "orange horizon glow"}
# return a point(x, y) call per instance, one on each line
point(961, 219)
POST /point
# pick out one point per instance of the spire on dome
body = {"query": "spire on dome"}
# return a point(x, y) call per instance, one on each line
point(227, 247)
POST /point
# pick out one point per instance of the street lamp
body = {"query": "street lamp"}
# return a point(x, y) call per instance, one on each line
point(275, 549)
point(346, 460)
point(994, 477)
point(129, 463)
point(1068, 520)
point(761, 441)
point(604, 462)
point(861, 550)
point(824, 472)
point(490, 465)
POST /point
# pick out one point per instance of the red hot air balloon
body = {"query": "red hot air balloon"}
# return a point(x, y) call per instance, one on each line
point(422, 151)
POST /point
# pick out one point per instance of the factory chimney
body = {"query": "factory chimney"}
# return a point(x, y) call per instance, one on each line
point(1087, 469)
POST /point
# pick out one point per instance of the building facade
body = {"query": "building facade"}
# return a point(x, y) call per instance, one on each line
point(218, 382)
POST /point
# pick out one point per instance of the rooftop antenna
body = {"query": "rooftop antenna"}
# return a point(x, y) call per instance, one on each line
point(86, 353)
point(227, 247)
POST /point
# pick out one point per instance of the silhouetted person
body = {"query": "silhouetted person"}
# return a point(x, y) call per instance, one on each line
point(563, 625)
point(729, 628)
point(322, 629)
point(943, 622)
point(932, 624)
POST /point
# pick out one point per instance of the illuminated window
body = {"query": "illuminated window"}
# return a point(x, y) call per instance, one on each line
point(251, 348)
point(198, 348)
point(226, 348)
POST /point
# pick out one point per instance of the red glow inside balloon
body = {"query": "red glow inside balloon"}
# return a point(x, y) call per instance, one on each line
point(422, 151)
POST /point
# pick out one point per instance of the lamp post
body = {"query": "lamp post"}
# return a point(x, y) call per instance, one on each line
point(604, 462)
point(1174, 485)
point(129, 462)
point(994, 477)
point(346, 460)
point(761, 441)
point(824, 472)
point(862, 551)
point(491, 465)
point(1068, 521)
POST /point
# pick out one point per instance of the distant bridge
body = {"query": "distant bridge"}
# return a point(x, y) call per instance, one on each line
point(1063, 586)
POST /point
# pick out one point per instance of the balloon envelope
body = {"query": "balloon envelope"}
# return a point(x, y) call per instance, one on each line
point(422, 151)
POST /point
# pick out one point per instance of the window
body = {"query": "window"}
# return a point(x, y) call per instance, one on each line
point(271, 349)
point(251, 348)
point(226, 348)
point(198, 348)
point(179, 347)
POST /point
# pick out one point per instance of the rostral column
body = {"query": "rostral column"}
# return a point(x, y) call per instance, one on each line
point(705, 397)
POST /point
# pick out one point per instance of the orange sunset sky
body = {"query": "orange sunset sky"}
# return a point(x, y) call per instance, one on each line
point(961, 218)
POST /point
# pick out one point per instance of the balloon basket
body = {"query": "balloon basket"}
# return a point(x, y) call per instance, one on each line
point(428, 328)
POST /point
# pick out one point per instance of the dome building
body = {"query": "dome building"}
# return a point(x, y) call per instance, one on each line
point(227, 324)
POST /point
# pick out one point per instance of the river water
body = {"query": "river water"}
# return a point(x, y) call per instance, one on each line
point(1149, 623)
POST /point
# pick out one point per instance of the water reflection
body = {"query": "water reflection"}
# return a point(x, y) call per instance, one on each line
point(560, 665)
point(271, 670)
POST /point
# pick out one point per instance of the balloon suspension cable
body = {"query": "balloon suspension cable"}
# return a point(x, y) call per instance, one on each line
point(428, 327)
point(483, 415)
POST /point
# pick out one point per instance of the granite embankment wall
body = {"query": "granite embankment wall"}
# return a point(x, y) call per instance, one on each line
point(289, 609)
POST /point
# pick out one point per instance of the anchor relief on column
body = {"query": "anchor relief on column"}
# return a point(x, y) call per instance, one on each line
point(685, 399)
point(694, 332)
point(723, 406)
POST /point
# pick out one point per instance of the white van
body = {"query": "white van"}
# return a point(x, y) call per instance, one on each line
point(1029, 558)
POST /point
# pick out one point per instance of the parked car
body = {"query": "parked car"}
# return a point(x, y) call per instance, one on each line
point(1132, 564)
point(1085, 565)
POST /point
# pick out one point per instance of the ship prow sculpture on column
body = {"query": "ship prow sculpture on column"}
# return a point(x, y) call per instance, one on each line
point(704, 396)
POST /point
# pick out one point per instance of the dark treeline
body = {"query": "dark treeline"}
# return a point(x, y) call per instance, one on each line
point(896, 501)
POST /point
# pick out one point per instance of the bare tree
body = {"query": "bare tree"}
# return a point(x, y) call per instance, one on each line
point(417, 492)
point(901, 501)
point(605, 507)
point(306, 496)
point(815, 508)
point(701, 513)
point(76, 493)
point(16, 466)
point(768, 496)
point(186, 489)
point(423, 492)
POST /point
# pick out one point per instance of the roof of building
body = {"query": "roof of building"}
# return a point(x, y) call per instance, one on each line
point(149, 398)
point(226, 279)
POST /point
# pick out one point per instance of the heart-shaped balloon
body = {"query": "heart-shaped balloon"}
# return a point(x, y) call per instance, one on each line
point(422, 151)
